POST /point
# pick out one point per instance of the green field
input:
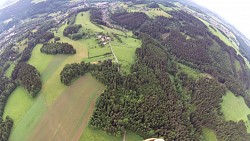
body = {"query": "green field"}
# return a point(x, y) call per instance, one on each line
point(125, 51)
point(9, 70)
point(209, 134)
point(69, 114)
point(91, 134)
point(235, 109)
point(18, 104)
point(151, 12)
point(237, 65)
point(191, 72)
point(29, 120)
point(165, 8)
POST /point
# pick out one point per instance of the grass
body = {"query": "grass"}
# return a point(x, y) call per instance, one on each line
point(18, 104)
point(39, 60)
point(152, 12)
point(9, 70)
point(91, 134)
point(165, 8)
point(60, 121)
point(125, 52)
point(191, 72)
point(28, 121)
point(209, 134)
point(83, 18)
point(237, 65)
point(235, 109)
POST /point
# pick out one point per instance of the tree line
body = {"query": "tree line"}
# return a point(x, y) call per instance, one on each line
point(57, 48)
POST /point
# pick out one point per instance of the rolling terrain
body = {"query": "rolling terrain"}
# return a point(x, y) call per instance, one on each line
point(137, 70)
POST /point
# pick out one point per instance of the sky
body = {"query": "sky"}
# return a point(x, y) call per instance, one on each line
point(2, 2)
point(236, 12)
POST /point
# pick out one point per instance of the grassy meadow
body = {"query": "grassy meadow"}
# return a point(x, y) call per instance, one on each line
point(235, 109)
point(9, 70)
point(209, 134)
point(91, 134)
point(60, 117)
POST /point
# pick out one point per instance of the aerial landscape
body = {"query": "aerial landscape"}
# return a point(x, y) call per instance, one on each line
point(121, 70)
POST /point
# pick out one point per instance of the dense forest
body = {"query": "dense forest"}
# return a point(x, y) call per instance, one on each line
point(157, 98)
point(57, 48)
point(28, 77)
point(96, 16)
point(150, 104)
point(130, 21)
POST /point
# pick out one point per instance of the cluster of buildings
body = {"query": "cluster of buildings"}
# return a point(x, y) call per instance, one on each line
point(103, 39)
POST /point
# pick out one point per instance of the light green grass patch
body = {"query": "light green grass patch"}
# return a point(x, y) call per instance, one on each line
point(83, 18)
point(91, 134)
point(209, 134)
point(237, 65)
point(18, 104)
point(125, 52)
point(99, 51)
point(165, 8)
point(39, 60)
point(154, 13)
point(28, 121)
point(9, 70)
point(235, 109)
point(192, 72)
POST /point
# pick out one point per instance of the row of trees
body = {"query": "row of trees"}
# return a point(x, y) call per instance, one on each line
point(57, 48)
point(7, 86)
point(28, 77)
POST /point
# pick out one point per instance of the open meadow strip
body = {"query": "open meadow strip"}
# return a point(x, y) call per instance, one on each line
point(74, 106)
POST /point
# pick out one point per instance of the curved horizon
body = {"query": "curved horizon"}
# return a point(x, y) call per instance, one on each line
point(235, 12)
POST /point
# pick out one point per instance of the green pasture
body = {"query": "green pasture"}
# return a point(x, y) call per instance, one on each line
point(209, 134)
point(9, 70)
point(235, 109)
point(91, 134)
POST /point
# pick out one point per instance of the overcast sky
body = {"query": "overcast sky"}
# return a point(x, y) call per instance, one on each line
point(236, 12)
